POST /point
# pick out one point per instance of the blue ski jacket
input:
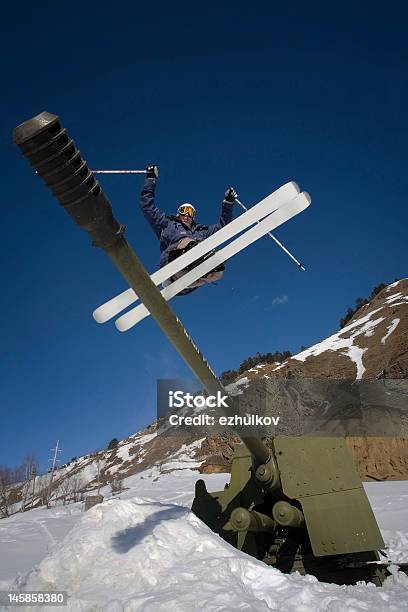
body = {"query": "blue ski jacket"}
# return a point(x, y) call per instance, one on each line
point(169, 229)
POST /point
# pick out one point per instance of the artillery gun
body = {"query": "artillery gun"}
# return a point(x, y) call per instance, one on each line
point(302, 509)
point(299, 506)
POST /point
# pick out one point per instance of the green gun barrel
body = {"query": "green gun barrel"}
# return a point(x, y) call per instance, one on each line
point(242, 519)
point(53, 154)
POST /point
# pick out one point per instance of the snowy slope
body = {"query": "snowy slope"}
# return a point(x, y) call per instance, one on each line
point(147, 551)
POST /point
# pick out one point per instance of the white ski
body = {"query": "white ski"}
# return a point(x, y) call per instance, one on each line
point(281, 215)
point(272, 202)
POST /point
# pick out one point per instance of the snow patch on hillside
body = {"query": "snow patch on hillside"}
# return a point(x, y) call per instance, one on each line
point(123, 452)
point(281, 365)
point(390, 329)
point(88, 472)
point(337, 342)
point(369, 327)
point(356, 355)
point(184, 457)
point(394, 284)
point(145, 439)
point(392, 298)
point(235, 387)
point(257, 367)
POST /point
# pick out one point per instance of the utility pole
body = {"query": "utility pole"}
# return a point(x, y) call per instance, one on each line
point(34, 475)
point(54, 460)
point(25, 489)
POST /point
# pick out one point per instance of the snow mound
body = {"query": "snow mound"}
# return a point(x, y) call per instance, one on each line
point(140, 554)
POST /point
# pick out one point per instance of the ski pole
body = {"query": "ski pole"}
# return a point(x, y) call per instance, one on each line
point(300, 265)
point(116, 171)
point(119, 171)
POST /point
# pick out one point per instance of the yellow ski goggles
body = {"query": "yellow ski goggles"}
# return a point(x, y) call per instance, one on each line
point(186, 209)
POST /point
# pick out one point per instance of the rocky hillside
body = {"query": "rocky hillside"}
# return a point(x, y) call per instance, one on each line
point(374, 344)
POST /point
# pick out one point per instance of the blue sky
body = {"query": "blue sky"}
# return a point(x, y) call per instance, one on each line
point(243, 94)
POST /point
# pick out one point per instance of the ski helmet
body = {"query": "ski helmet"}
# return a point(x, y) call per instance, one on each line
point(186, 209)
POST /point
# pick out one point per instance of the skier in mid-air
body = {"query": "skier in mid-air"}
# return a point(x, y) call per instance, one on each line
point(179, 233)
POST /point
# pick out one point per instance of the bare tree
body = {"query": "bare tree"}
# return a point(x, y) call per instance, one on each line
point(70, 488)
point(25, 491)
point(116, 485)
point(8, 495)
point(77, 486)
point(44, 492)
point(64, 489)
point(30, 467)
point(33, 493)
point(18, 474)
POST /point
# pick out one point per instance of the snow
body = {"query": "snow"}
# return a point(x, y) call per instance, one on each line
point(27, 537)
point(145, 439)
point(147, 551)
point(124, 454)
point(394, 284)
point(88, 472)
point(390, 329)
point(257, 367)
point(356, 355)
point(336, 342)
point(182, 458)
point(234, 388)
point(393, 297)
point(369, 327)
point(403, 303)
point(281, 365)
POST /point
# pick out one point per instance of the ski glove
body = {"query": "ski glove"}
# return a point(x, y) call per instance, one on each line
point(230, 195)
point(152, 172)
